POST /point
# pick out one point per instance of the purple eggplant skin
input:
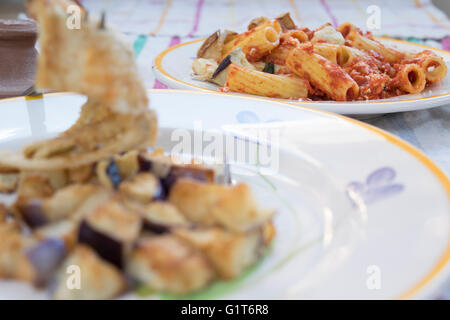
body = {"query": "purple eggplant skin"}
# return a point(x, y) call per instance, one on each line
point(108, 248)
point(176, 173)
point(113, 173)
point(33, 214)
point(222, 66)
point(173, 174)
point(160, 193)
point(144, 163)
point(157, 228)
point(45, 258)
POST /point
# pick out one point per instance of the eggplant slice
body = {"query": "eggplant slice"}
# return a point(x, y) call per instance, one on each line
point(213, 45)
point(232, 207)
point(162, 217)
point(98, 278)
point(110, 230)
point(286, 21)
point(230, 253)
point(165, 263)
point(143, 188)
point(61, 205)
point(45, 258)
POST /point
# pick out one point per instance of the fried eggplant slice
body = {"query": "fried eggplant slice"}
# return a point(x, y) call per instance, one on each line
point(169, 172)
point(64, 202)
point(98, 63)
point(98, 278)
point(143, 188)
point(229, 252)
point(111, 230)
point(27, 259)
point(213, 45)
point(161, 217)
point(127, 164)
point(232, 207)
point(286, 21)
point(257, 22)
point(14, 263)
point(165, 263)
point(64, 230)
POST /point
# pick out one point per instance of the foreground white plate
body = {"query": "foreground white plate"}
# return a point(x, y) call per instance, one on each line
point(173, 68)
point(360, 213)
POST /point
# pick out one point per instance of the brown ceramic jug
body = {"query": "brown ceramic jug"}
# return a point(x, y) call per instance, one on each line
point(17, 56)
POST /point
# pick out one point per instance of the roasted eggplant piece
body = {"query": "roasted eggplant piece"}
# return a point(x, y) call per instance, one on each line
point(26, 259)
point(33, 213)
point(222, 66)
point(232, 207)
point(64, 230)
point(210, 46)
point(169, 173)
point(257, 22)
point(161, 217)
point(236, 57)
point(38, 212)
point(165, 263)
point(229, 252)
point(98, 278)
point(127, 164)
point(111, 230)
point(269, 68)
point(143, 188)
point(45, 258)
point(213, 45)
point(108, 174)
point(98, 197)
point(286, 21)
point(14, 263)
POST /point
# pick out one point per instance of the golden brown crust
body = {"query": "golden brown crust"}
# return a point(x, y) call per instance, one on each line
point(166, 263)
point(99, 279)
point(229, 252)
point(92, 61)
point(232, 207)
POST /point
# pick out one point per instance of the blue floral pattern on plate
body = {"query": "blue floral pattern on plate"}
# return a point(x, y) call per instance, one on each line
point(378, 185)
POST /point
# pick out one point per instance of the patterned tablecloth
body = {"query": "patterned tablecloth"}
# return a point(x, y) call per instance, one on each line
point(154, 25)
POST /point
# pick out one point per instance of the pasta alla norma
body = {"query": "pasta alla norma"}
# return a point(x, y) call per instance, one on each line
point(276, 58)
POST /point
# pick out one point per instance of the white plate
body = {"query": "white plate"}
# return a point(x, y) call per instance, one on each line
point(173, 68)
point(354, 204)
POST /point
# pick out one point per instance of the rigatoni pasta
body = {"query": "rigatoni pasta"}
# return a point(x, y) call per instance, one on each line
point(243, 80)
point(256, 42)
point(322, 73)
point(364, 43)
point(280, 60)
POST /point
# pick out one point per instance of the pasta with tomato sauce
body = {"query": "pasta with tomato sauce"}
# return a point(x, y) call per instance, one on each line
point(275, 58)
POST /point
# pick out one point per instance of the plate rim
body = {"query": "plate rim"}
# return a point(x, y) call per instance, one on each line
point(444, 260)
point(157, 65)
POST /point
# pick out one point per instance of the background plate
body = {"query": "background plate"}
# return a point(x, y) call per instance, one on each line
point(173, 67)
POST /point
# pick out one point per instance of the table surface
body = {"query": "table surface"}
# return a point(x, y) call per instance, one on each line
point(154, 25)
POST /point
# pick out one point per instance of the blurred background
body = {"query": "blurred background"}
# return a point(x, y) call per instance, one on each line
point(10, 8)
point(155, 25)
